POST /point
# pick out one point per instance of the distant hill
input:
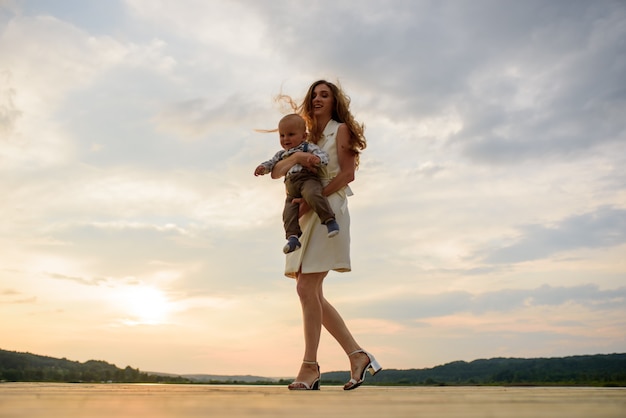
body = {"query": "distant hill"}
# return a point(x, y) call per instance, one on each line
point(27, 367)
point(219, 378)
point(589, 370)
point(208, 378)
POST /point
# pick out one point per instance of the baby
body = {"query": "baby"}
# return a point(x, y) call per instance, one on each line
point(299, 181)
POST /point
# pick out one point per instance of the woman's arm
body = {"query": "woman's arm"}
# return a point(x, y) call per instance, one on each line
point(347, 166)
point(283, 166)
point(347, 162)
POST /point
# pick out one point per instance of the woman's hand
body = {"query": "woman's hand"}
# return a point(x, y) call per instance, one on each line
point(311, 162)
point(304, 206)
point(307, 160)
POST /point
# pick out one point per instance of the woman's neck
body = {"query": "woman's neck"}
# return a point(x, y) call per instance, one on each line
point(321, 122)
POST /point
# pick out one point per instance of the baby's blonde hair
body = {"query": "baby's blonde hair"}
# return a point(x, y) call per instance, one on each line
point(299, 120)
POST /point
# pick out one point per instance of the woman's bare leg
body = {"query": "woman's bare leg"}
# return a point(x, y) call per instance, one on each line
point(335, 325)
point(309, 287)
point(317, 311)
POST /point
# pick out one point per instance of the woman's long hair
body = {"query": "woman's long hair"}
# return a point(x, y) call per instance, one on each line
point(341, 113)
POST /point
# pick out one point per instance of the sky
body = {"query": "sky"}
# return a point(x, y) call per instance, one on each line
point(489, 208)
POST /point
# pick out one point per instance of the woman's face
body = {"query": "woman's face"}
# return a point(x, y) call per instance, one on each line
point(322, 100)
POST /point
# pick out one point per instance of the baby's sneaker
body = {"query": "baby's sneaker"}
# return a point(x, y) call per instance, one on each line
point(333, 228)
point(293, 243)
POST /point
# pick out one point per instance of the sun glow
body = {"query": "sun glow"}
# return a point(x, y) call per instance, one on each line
point(145, 305)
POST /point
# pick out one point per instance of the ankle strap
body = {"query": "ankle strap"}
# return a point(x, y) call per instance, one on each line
point(356, 351)
point(309, 362)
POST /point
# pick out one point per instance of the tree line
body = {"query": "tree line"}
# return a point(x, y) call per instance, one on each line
point(586, 370)
point(26, 367)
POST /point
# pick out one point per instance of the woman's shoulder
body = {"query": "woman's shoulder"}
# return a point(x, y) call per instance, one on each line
point(343, 131)
point(332, 127)
point(342, 127)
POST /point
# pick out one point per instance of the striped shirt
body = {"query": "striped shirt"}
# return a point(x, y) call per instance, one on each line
point(304, 147)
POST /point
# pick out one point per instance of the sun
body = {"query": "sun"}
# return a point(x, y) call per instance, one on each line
point(146, 305)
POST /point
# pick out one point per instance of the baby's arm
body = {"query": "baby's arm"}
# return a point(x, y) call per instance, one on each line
point(267, 166)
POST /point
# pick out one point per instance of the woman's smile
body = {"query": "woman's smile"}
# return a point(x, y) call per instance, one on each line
point(322, 99)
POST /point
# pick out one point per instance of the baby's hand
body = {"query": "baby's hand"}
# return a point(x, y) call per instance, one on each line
point(259, 171)
point(313, 161)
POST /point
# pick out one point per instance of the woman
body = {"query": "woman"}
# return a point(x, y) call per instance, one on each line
point(332, 127)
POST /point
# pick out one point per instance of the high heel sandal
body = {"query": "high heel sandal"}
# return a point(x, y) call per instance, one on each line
point(372, 366)
point(313, 386)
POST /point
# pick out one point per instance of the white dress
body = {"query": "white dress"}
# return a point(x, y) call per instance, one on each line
point(320, 253)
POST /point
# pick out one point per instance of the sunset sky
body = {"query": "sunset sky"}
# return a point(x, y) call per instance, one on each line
point(489, 210)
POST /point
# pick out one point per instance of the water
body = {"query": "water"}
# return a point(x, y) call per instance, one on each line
point(51, 400)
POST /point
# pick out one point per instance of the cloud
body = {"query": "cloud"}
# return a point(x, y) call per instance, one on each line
point(589, 296)
point(70, 56)
point(10, 5)
point(13, 297)
point(79, 280)
point(420, 306)
point(542, 84)
point(553, 94)
point(196, 118)
point(605, 227)
point(9, 113)
point(71, 59)
point(207, 22)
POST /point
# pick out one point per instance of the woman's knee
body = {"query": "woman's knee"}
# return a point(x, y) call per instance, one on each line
point(306, 291)
point(309, 286)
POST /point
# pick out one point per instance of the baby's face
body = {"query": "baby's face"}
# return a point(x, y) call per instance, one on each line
point(291, 134)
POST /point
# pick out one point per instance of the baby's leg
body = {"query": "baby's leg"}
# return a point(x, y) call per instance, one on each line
point(291, 218)
point(311, 191)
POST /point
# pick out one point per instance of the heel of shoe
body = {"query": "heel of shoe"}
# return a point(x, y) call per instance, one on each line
point(374, 367)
